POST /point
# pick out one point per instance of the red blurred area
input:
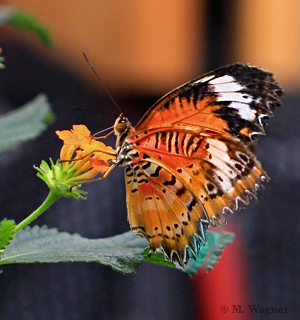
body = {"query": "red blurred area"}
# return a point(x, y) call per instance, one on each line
point(218, 291)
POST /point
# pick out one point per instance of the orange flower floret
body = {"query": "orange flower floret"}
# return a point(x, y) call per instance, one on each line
point(77, 135)
point(91, 155)
point(99, 149)
point(99, 165)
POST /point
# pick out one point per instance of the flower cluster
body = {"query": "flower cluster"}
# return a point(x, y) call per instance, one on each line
point(92, 156)
point(82, 157)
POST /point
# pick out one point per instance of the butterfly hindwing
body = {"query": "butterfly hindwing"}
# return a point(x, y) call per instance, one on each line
point(171, 198)
point(164, 210)
point(220, 171)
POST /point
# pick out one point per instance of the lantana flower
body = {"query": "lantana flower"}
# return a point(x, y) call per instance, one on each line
point(82, 157)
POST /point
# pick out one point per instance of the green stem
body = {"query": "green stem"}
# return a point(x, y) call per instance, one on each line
point(51, 198)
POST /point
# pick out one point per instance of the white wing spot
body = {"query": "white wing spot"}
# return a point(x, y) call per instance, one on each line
point(245, 111)
point(205, 79)
point(223, 181)
point(234, 96)
point(216, 143)
point(224, 79)
point(228, 87)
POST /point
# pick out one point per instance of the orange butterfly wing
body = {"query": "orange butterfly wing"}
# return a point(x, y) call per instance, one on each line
point(160, 211)
point(235, 100)
point(187, 162)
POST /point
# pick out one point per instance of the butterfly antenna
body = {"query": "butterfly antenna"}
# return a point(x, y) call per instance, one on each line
point(99, 132)
point(93, 110)
point(110, 96)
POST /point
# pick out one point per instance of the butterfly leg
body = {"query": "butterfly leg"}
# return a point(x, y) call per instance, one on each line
point(87, 155)
point(107, 172)
point(103, 137)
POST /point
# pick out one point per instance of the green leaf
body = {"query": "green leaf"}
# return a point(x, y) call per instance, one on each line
point(26, 21)
point(123, 253)
point(24, 123)
point(157, 258)
point(211, 252)
point(225, 239)
point(6, 233)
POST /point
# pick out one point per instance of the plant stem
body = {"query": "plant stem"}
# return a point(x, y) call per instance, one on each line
point(51, 198)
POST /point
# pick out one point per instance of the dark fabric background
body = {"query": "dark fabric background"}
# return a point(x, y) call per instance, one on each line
point(76, 290)
point(274, 234)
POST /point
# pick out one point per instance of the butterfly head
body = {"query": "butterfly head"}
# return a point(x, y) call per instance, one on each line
point(121, 125)
point(122, 129)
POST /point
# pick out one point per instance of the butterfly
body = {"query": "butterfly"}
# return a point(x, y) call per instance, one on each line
point(187, 161)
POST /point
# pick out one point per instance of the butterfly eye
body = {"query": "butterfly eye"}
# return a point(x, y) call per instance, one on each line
point(121, 125)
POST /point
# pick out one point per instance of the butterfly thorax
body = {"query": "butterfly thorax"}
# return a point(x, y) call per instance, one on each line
point(123, 129)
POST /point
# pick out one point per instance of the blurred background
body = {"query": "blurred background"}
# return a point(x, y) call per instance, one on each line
point(142, 49)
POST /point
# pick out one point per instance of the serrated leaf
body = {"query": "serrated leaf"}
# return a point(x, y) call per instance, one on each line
point(225, 239)
point(211, 252)
point(123, 253)
point(157, 258)
point(24, 123)
point(6, 233)
point(26, 21)
point(193, 265)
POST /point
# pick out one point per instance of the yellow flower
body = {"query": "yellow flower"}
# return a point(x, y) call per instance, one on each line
point(75, 136)
point(91, 155)
point(82, 157)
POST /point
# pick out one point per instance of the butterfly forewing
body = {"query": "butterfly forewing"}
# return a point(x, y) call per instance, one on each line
point(187, 160)
point(233, 100)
